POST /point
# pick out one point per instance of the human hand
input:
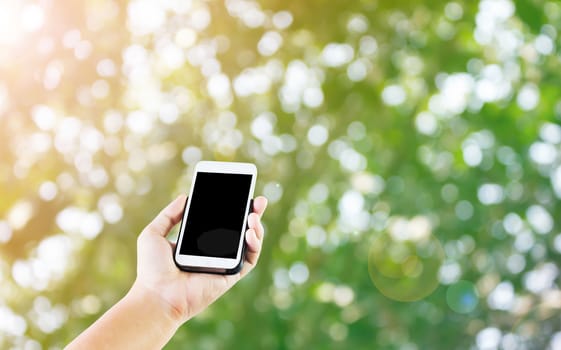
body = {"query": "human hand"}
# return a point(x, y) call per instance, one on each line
point(187, 293)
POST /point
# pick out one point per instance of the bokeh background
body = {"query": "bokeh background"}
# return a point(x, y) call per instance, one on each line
point(410, 151)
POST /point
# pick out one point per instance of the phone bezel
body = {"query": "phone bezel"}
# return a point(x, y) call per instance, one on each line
point(206, 263)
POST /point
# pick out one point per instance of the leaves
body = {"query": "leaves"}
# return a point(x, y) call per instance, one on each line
point(359, 115)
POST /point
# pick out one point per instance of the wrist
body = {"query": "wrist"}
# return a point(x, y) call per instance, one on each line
point(168, 316)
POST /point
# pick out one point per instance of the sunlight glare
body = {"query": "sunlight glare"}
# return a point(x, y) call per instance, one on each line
point(9, 25)
point(32, 18)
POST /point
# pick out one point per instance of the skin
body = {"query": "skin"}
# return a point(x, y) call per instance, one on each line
point(163, 297)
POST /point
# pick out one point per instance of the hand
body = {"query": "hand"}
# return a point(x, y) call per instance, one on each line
point(187, 293)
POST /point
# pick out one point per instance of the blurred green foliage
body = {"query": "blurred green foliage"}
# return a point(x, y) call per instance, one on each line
point(371, 122)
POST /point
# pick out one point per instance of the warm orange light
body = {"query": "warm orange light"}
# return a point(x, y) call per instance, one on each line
point(9, 22)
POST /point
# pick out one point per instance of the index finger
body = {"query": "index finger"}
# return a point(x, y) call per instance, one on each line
point(259, 205)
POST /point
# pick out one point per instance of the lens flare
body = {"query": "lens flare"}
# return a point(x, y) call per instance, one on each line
point(462, 297)
point(405, 270)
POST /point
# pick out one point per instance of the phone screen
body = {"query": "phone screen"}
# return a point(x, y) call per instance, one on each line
point(216, 215)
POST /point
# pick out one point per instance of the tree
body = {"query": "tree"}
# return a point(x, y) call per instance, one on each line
point(409, 151)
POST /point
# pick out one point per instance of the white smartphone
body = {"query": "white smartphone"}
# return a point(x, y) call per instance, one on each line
point(212, 232)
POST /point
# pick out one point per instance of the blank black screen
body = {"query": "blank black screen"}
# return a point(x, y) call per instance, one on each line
point(216, 216)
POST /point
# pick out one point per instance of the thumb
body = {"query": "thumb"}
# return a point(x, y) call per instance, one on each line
point(167, 218)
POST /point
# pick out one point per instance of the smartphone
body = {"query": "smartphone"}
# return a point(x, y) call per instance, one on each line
point(212, 232)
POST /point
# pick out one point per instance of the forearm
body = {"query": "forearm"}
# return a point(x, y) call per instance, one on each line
point(140, 320)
